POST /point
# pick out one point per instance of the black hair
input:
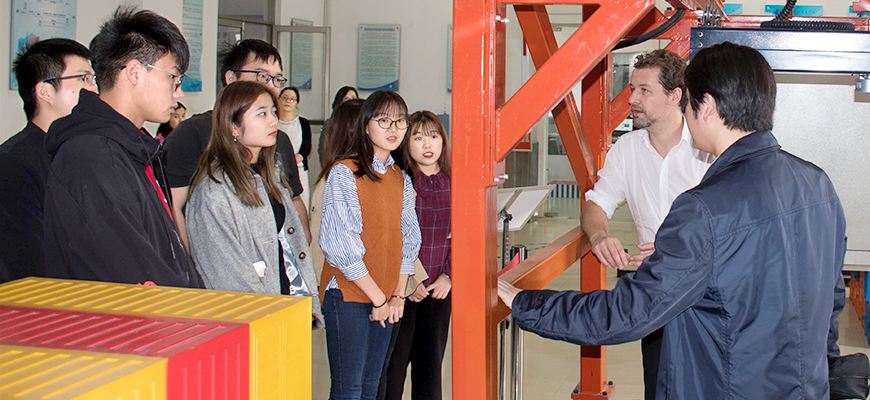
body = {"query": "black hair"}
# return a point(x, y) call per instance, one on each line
point(234, 56)
point(341, 144)
point(45, 59)
point(164, 128)
point(671, 71)
point(740, 80)
point(339, 96)
point(294, 89)
point(378, 103)
point(135, 35)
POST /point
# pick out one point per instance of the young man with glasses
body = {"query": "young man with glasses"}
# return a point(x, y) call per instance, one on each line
point(106, 218)
point(247, 60)
point(50, 74)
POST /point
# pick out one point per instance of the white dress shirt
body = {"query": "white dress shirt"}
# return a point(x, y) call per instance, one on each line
point(634, 171)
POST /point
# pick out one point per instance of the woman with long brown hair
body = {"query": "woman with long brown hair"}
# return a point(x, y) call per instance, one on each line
point(245, 234)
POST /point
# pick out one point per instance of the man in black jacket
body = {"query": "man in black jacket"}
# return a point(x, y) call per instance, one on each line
point(50, 74)
point(105, 216)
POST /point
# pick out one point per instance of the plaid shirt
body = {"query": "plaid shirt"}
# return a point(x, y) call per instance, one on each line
point(433, 213)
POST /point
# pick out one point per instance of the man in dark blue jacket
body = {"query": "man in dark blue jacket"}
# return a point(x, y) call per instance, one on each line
point(106, 218)
point(746, 276)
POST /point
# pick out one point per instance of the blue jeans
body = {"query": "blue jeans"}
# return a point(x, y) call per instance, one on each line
point(356, 348)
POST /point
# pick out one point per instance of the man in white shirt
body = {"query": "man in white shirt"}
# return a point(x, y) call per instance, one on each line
point(649, 168)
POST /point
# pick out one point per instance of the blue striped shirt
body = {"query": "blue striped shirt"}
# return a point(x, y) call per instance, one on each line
point(341, 224)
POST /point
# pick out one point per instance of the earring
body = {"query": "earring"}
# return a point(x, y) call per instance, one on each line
point(235, 138)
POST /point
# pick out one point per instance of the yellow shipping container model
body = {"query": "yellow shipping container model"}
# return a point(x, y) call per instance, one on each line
point(280, 326)
point(38, 373)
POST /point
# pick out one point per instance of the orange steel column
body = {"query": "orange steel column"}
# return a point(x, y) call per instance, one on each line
point(478, 90)
point(485, 129)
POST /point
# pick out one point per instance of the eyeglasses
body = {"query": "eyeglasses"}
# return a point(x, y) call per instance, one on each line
point(177, 78)
point(289, 99)
point(386, 123)
point(87, 79)
point(264, 78)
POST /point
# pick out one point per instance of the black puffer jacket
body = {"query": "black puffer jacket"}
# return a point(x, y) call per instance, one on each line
point(104, 220)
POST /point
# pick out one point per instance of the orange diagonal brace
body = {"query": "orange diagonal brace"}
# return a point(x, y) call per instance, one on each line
point(545, 265)
point(557, 76)
point(538, 33)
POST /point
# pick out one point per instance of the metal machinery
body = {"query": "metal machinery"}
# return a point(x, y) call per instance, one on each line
point(487, 126)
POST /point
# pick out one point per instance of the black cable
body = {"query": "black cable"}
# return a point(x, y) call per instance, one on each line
point(655, 32)
point(808, 25)
point(780, 21)
point(786, 11)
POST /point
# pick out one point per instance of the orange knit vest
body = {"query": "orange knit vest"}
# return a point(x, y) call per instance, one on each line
point(381, 208)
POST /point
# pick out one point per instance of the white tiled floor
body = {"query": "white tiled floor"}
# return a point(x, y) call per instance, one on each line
point(552, 368)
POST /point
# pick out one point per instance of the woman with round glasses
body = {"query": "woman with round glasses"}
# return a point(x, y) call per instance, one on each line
point(370, 238)
point(299, 131)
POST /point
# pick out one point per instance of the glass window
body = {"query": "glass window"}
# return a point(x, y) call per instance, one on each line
point(251, 10)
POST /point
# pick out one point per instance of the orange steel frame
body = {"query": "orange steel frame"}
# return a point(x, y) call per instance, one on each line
point(485, 129)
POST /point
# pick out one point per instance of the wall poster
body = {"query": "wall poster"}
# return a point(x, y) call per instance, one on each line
point(34, 20)
point(450, 58)
point(191, 28)
point(301, 53)
point(378, 54)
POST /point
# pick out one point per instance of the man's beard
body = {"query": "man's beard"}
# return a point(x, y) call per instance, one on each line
point(643, 121)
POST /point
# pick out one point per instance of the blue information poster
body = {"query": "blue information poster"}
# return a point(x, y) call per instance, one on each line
point(191, 28)
point(34, 20)
point(378, 57)
point(732, 9)
point(799, 11)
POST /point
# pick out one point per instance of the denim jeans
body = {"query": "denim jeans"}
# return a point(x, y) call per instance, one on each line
point(356, 348)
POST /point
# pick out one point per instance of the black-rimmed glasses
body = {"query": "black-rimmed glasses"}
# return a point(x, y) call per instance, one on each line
point(264, 78)
point(386, 123)
point(87, 79)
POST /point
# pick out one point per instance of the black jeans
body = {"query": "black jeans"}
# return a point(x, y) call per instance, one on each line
point(651, 348)
point(420, 340)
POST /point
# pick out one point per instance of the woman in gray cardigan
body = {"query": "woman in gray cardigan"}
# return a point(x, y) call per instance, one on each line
point(238, 200)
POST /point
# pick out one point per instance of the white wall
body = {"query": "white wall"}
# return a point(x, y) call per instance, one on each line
point(91, 14)
point(423, 75)
point(311, 102)
point(423, 63)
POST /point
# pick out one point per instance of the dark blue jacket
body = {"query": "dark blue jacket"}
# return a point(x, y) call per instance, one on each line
point(746, 280)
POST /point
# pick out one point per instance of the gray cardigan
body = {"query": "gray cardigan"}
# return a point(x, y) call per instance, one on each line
point(229, 241)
